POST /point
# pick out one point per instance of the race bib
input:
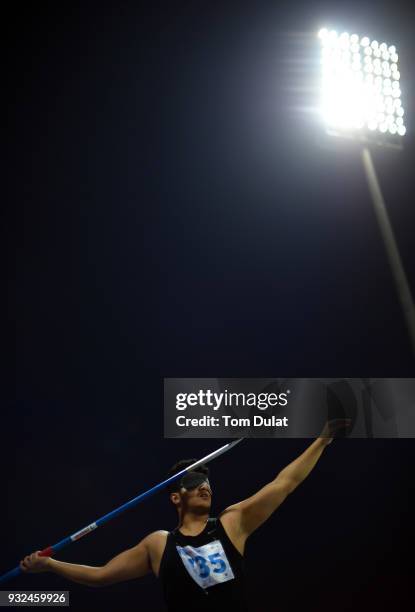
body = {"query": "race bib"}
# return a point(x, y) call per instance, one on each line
point(208, 565)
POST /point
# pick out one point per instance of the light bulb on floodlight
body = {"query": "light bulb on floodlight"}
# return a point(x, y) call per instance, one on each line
point(359, 85)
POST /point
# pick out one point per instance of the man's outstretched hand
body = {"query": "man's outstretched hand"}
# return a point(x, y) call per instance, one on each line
point(332, 428)
point(34, 564)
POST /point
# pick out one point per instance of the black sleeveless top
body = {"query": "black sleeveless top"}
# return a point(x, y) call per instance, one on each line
point(203, 572)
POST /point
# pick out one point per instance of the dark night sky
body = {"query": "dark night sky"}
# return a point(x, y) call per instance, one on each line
point(178, 216)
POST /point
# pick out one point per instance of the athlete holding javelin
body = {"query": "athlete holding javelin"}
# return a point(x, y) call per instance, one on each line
point(201, 562)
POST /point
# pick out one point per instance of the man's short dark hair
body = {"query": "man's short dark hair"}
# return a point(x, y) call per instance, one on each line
point(181, 465)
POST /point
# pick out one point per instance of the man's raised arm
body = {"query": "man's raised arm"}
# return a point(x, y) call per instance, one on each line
point(246, 516)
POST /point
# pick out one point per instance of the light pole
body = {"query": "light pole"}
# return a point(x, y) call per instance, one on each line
point(361, 99)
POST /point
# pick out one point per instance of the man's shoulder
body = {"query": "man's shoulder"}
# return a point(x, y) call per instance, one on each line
point(156, 541)
point(155, 536)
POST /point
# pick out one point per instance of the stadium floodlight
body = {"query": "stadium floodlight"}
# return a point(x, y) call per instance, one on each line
point(360, 85)
point(360, 99)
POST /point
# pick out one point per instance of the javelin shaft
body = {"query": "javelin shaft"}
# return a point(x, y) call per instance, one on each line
point(47, 552)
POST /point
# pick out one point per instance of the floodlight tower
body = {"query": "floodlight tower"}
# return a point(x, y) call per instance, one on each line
point(361, 100)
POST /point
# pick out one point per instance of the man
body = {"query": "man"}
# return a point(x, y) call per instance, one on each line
point(200, 563)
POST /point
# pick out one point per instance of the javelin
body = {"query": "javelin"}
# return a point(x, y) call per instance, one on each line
point(50, 550)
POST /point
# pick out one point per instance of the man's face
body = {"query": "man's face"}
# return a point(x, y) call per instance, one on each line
point(195, 498)
point(198, 497)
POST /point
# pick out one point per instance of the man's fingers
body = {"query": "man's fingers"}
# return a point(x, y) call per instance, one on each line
point(337, 424)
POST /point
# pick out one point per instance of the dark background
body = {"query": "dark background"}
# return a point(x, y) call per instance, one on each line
point(178, 216)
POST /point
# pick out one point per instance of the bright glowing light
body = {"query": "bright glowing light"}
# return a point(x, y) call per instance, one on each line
point(359, 86)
